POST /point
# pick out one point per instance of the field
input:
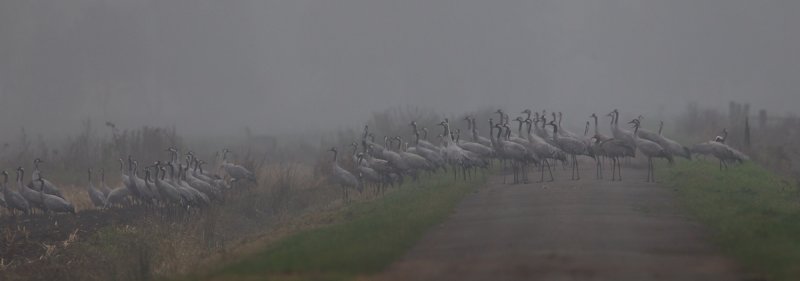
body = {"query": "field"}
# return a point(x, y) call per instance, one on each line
point(141, 244)
point(364, 239)
point(754, 215)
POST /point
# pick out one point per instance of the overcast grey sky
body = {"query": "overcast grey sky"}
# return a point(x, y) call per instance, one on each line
point(216, 66)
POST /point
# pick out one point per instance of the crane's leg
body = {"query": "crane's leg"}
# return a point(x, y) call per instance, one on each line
point(541, 168)
point(525, 173)
point(613, 169)
point(599, 161)
point(514, 170)
point(654, 170)
point(575, 164)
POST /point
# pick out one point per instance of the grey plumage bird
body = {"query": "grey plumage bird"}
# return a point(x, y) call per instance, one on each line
point(168, 193)
point(14, 200)
point(649, 149)
point(36, 178)
point(723, 137)
point(621, 134)
point(103, 186)
point(54, 203)
point(342, 177)
point(544, 150)
point(476, 137)
point(236, 171)
point(615, 149)
point(669, 145)
point(721, 151)
point(96, 196)
point(117, 196)
point(571, 146)
point(508, 150)
point(32, 196)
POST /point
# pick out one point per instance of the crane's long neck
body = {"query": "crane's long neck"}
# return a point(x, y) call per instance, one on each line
point(448, 135)
point(660, 127)
point(519, 128)
point(530, 126)
point(491, 129)
point(586, 131)
point(555, 131)
point(474, 130)
point(491, 132)
point(596, 131)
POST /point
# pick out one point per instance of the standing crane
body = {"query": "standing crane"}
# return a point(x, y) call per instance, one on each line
point(54, 203)
point(649, 149)
point(48, 186)
point(543, 151)
point(342, 177)
point(571, 146)
point(621, 134)
point(14, 200)
point(614, 149)
point(236, 171)
point(96, 196)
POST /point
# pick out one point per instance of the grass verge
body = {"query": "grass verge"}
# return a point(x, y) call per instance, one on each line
point(365, 239)
point(754, 214)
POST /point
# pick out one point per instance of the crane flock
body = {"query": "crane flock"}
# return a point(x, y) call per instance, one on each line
point(170, 187)
point(533, 144)
point(176, 186)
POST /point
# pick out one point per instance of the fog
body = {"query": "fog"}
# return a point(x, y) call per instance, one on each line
point(214, 67)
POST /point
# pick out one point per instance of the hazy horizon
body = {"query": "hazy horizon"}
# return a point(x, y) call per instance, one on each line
point(208, 67)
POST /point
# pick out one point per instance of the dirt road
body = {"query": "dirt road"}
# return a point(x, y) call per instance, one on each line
point(567, 230)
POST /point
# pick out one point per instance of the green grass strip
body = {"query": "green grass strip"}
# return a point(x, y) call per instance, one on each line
point(372, 235)
point(754, 214)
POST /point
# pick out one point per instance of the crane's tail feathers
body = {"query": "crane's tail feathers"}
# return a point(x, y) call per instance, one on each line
point(670, 158)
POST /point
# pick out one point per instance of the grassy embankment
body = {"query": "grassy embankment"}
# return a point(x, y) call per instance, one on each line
point(365, 238)
point(754, 215)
